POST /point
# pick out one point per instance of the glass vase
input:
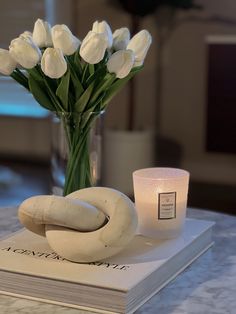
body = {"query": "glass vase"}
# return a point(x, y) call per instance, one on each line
point(76, 148)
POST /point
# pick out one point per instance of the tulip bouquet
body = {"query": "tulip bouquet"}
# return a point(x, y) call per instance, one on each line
point(75, 79)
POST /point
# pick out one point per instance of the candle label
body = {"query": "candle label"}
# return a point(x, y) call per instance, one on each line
point(167, 205)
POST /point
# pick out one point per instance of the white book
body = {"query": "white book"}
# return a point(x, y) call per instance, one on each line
point(121, 284)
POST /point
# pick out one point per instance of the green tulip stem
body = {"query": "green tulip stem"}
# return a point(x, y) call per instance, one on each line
point(78, 165)
point(78, 171)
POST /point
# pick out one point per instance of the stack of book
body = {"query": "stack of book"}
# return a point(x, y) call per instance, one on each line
point(121, 284)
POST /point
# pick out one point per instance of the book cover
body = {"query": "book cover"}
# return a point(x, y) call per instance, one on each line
point(119, 284)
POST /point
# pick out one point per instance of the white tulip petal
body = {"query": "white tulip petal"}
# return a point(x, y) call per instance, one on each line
point(25, 52)
point(7, 63)
point(26, 35)
point(103, 28)
point(63, 38)
point(121, 38)
point(121, 63)
point(53, 63)
point(140, 44)
point(93, 47)
point(42, 34)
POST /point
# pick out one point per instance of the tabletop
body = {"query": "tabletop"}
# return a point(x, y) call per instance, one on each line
point(208, 286)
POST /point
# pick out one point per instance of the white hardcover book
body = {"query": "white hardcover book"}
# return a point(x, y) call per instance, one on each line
point(121, 284)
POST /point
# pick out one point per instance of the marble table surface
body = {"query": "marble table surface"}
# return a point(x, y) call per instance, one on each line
point(207, 286)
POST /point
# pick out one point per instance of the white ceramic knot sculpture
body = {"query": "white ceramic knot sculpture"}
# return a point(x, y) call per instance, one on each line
point(87, 225)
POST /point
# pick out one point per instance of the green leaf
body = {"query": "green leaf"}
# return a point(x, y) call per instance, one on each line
point(91, 112)
point(82, 102)
point(63, 90)
point(77, 86)
point(77, 63)
point(118, 85)
point(85, 74)
point(98, 75)
point(103, 86)
point(20, 78)
point(51, 92)
point(36, 74)
point(38, 91)
point(76, 74)
point(86, 117)
point(52, 83)
point(136, 69)
point(95, 106)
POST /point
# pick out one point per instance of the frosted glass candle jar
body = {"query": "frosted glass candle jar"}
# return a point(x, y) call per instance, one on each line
point(161, 199)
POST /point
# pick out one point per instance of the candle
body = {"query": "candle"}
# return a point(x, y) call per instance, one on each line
point(161, 199)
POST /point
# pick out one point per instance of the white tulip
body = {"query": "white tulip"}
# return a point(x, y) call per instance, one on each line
point(93, 47)
point(42, 34)
point(26, 35)
point(53, 63)
point(103, 27)
point(140, 44)
point(121, 38)
point(25, 52)
point(7, 63)
point(121, 63)
point(63, 38)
